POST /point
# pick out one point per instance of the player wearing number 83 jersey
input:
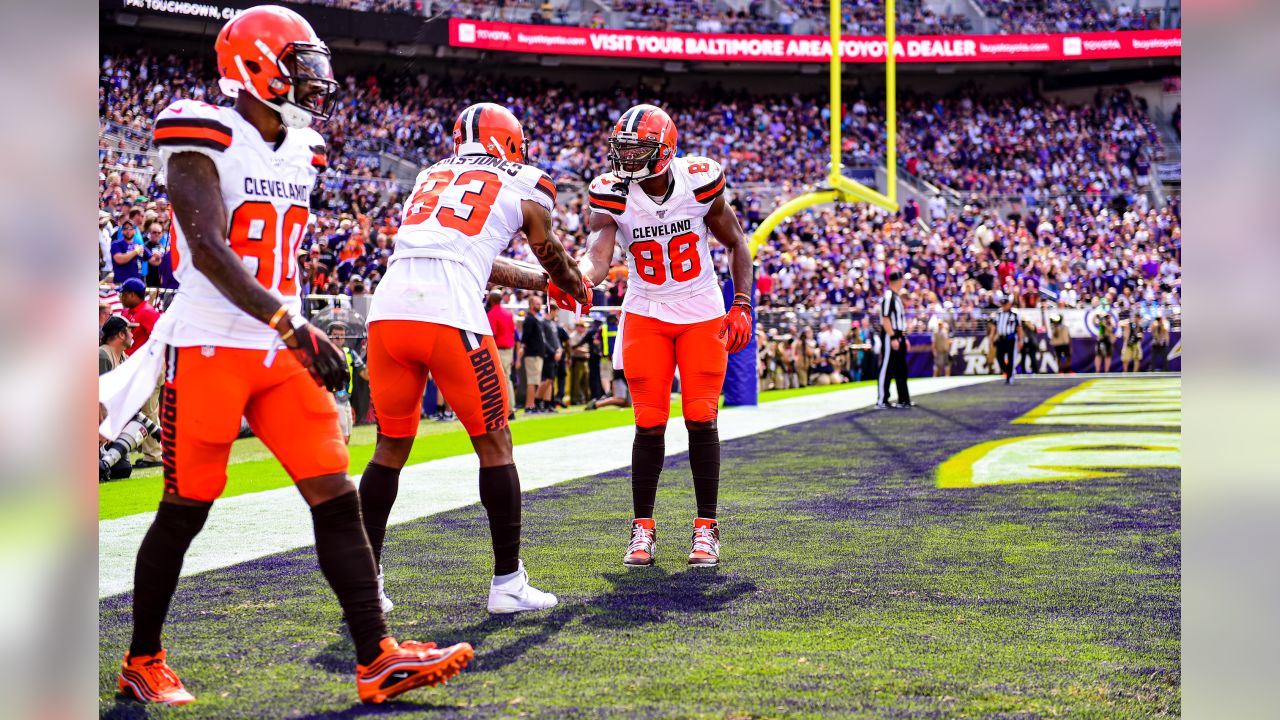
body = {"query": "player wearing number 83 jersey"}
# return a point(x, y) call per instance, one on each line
point(660, 209)
point(428, 316)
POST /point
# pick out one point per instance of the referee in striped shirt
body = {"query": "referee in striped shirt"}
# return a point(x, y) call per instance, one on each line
point(893, 361)
point(1007, 327)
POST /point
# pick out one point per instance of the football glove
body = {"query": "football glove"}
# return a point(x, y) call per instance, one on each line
point(735, 331)
point(567, 301)
point(318, 354)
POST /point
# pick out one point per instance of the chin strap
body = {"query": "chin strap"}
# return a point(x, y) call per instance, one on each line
point(292, 116)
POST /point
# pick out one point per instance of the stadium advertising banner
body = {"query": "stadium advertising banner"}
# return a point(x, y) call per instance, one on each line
point(554, 39)
point(974, 355)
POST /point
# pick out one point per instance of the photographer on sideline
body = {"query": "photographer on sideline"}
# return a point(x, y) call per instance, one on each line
point(1061, 341)
point(113, 457)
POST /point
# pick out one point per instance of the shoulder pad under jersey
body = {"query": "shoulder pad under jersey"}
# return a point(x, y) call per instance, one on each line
point(608, 194)
point(705, 176)
point(540, 184)
point(192, 125)
point(319, 148)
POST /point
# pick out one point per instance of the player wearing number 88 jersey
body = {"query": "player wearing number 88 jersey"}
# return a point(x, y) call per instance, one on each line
point(660, 209)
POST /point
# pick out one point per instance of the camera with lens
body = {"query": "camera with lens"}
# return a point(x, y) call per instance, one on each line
point(110, 455)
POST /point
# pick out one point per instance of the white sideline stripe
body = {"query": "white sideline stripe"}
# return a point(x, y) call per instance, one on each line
point(255, 525)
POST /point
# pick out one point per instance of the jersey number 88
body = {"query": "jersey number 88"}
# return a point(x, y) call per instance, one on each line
point(684, 263)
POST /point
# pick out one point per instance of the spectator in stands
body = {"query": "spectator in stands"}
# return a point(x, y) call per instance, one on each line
point(128, 253)
point(159, 261)
point(105, 234)
point(104, 312)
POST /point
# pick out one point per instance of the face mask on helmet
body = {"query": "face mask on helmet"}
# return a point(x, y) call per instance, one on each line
point(633, 159)
point(305, 88)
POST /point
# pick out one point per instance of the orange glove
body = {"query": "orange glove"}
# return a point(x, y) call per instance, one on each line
point(567, 301)
point(735, 331)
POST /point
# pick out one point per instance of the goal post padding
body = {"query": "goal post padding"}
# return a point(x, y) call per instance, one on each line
point(740, 382)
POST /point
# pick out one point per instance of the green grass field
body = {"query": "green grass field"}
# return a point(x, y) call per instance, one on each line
point(851, 586)
point(252, 467)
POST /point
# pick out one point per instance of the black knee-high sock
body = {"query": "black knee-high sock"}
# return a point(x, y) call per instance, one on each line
point(647, 454)
point(500, 495)
point(155, 575)
point(378, 488)
point(704, 461)
point(347, 563)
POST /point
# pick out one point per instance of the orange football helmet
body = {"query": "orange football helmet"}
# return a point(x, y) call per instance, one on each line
point(273, 53)
point(490, 129)
point(643, 143)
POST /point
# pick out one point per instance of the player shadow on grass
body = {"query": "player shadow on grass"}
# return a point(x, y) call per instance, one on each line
point(638, 597)
point(390, 708)
point(128, 709)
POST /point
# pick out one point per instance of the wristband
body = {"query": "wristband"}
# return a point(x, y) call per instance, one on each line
point(275, 319)
point(285, 336)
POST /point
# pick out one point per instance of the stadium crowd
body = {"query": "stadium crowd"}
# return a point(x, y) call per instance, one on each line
point(398, 7)
point(1012, 145)
point(1065, 16)
point(860, 17)
point(1091, 255)
point(1086, 237)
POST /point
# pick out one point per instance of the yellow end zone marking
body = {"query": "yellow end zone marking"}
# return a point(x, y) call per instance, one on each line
point(1120, 401)
point(1059, 456)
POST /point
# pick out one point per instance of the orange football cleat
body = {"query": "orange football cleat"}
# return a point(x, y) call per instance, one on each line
point(148, 678)
point(643, 545)
point(403, 667)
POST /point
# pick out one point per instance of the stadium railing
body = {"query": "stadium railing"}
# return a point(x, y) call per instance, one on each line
point(352, 311)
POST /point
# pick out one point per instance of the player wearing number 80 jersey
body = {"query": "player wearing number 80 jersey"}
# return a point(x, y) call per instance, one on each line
point(240, 180)
point(267, 191)
point(660, 208)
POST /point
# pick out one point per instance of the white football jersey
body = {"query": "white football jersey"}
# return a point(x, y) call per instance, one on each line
point(267, 192)
point(463, 213)
point(671, 276)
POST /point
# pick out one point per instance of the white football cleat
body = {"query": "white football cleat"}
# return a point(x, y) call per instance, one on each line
point(517, 595)
point(383, 601)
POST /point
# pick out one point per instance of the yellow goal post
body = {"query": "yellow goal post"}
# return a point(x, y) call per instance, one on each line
point(837, 186)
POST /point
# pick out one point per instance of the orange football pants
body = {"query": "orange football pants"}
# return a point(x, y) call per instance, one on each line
point(651, 352)
point(464, 364)
point(206, 392)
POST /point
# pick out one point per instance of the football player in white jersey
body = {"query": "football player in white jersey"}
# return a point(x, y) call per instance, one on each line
point(240, 181)
point(428, 316)
point(660, 209)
